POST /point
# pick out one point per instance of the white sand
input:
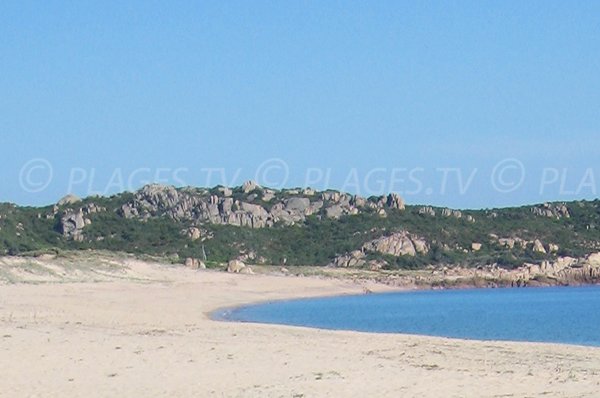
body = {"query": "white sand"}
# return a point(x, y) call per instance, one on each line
point(149, 335)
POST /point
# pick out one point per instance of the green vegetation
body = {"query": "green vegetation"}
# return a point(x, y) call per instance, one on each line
point(318, 240)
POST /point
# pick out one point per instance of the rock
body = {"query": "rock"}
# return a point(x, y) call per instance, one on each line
point(394, 201)
point(377, 265)
point(268, 196)
point(252, 215)
point(72, 224)
point(352, 259)
point(334, 211)
point(476, 246)
point(225, 191)
point(299, 205)
point(451, 213)
point(427, 211)
point(235, 266)
point(521, 242)
point(359, 201)
point(193, 206)
point(68, 200)
point(92, 209)
point(194, 263)
point(193, 233)
point(553, 248)
point(552, 210)
point(564, 271)
point(250, 186)
point(398, 244)
point(128, 211)
point(246, 257)
point(421, 245)
point(507, 242)
point(246, 270)
point(331, 196)
point(594, 259)
point(538, 247)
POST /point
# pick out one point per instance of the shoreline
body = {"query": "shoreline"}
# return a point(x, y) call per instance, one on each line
point(223, 315)
point(146, 331)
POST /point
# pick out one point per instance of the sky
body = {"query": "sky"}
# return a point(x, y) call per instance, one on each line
point(469, 104)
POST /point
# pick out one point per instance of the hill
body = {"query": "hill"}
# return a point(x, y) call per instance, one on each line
point(303, 227)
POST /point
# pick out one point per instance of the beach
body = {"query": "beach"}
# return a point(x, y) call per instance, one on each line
point(134, 328)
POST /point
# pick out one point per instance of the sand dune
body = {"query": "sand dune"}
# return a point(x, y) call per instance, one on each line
point(141, 329)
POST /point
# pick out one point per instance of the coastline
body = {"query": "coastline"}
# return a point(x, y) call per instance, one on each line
point(146, 330)
point(299, 312)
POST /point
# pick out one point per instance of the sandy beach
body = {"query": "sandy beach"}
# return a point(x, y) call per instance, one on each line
point(130, 328)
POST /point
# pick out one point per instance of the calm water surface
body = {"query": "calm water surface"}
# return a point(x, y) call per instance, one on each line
point(561, 315)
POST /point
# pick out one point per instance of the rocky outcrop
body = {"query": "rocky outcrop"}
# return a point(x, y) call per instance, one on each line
point(223, 208)
point(194, 263)
point(427, 211)
point(238, 267)
point(355, 258)
point(72, 224)
point(509, 243)
point(398, 244)
point(250, 186)
point(394, 201)
point(451, 213)
point(193, 233)
point(68, 200)
point(563, 271)
point(552, 210)
point(538, 247)
point(158, 200)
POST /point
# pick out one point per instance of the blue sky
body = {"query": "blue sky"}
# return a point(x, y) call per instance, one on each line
point(378, 96)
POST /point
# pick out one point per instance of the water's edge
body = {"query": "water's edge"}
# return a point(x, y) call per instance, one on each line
point(231, 314)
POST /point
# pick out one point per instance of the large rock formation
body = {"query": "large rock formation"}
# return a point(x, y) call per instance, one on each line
point(394, 201)
point(72, 224)
point(451, 213)
point(68, 200)
point(427, 211)
point(355, 258)
point(552, 210)
point(563, 271)
point(398, 244)
point(223, 208)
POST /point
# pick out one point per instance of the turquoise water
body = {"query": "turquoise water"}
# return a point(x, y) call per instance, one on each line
point(560, 315)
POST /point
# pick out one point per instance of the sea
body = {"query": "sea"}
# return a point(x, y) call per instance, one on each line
point(569, 315)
